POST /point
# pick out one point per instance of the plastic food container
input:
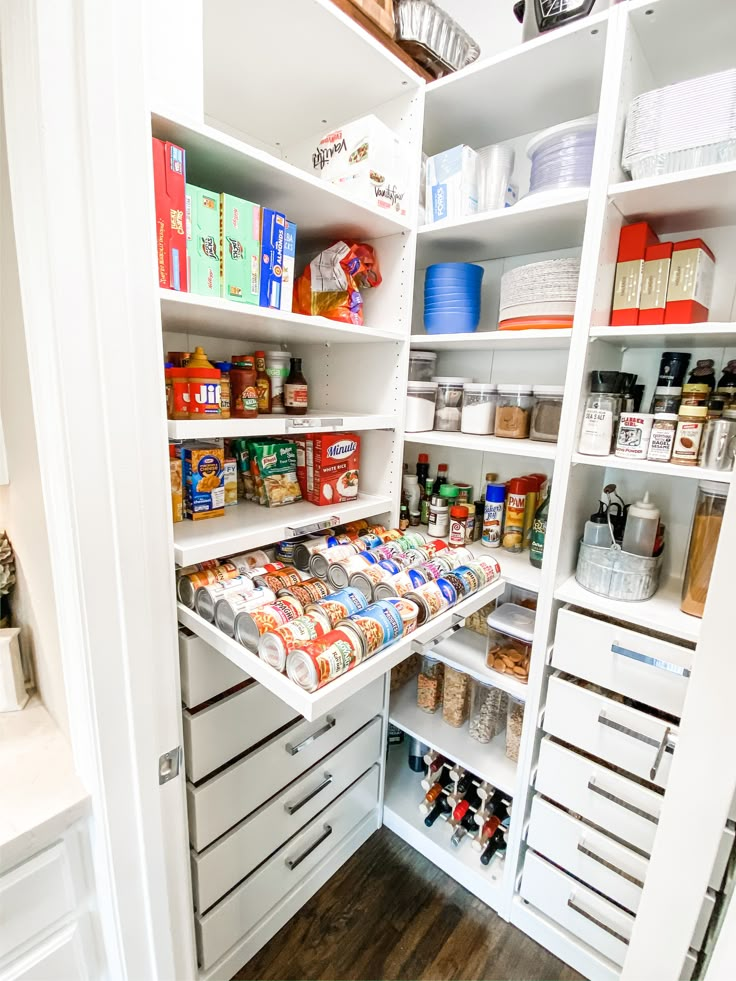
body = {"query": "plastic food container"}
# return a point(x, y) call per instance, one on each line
point(420, 406)
point(514, 725)
point(510, 638)
point(422, 365)
point(479, 408)
point(545, 424)
point(448, 409)
point(488, 709)
point(455, 697)
point(514, 411)
point(429, 683)
point(617, 574)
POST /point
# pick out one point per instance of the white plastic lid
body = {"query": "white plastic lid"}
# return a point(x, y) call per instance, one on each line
point(714, 487)
point(422, 356)
point(278, 354)
point(669, 416)
point(514, 620)
point(422, 386)
point(561, 129)
point(666, 390)
point(514, 389)
point(480, 387)
point(450, 380)
point(549, 390)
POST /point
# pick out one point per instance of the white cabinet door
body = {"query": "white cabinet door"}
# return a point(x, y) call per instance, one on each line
point(33, 896)
point(59, 958)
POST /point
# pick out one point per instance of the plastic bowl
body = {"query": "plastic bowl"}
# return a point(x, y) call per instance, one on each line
point(466, 274)
point(441, 307)
point(454, 322)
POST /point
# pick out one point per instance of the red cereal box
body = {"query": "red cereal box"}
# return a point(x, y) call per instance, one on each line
point(333, 461)
point(169, 181)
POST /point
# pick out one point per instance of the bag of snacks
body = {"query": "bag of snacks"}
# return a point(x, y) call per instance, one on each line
point(330, 285)
point(276, 480)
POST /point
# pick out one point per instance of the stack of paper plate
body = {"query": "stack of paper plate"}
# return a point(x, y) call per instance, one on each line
point(690, 124)
point(539, 296)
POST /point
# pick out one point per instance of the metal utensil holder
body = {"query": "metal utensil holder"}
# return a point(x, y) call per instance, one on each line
point(617, 574)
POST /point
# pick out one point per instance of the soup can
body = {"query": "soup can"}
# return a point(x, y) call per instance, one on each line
point(188, 585)
point(320, 562)
point(339, 606)
point(207, 596)
point(408, 611)
point(319, 661)
point(434, 569)
point(398, 585)
point(307, 591)
point(230, 605)
point(458, 556)
point(248, 563)
point(285, 551)
point(458, 584)
point(473, 579)
point(371, 539)
point(487, 568)
point(388, 552)
point(390, 566)
point(410, 540)
point(379, 625)
point(274, 647)
point(187, 570)
point(367, 579)
point(340, 573)
point(279, 578)
point(251, 625)
point(389, 534)
point(432, 598)
point(305, 549)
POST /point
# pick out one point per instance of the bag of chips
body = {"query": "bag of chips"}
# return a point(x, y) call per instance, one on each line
point(331, 284)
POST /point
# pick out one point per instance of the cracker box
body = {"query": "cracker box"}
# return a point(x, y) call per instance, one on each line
point(177, 500)
point(273, 226)
point(230, 481)
point(452, 184)
point(240, 249)
point(203, 241)
point(169, 166)
point(203, 472)
point(289, 270)
point(333, 463)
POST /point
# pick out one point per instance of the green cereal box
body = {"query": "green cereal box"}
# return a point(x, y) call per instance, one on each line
point(240, 249)
point(203, 240)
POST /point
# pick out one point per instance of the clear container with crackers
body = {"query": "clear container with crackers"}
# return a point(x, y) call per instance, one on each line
point(510, 638)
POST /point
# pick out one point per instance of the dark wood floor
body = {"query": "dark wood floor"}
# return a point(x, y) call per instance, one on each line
point(390, 913)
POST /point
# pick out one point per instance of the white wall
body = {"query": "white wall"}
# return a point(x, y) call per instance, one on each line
point(489, 22)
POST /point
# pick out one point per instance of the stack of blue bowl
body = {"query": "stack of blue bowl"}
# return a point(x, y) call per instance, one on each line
point(452, 297)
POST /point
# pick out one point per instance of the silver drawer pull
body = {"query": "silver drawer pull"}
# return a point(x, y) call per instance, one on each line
point(622, 803)
point(606, 864)
point(293, 750)
point(653, 661)
point(594, 919)
point(291, 863)
point(293, 808)
point(663, 745)
point(418, 647)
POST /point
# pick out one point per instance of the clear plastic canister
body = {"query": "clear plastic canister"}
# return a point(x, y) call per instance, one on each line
point(479, 408)
point(704, 533)
point(422, 365)
point(513, 411)
point(487, 711)
point(514, 725)
point(421, 399)
point(448, 411)
point(455, 697)
point(546, 412)
point(429, 684)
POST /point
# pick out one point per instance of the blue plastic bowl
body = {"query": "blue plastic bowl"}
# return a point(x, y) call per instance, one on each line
point(442, 307)
point(454, 271)
point(455, 322)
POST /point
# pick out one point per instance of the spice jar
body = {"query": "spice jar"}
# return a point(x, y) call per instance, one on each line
point(458, 525)
point(513, 411)
point(663, 437)
point(448, 411)
point(695, 394)
point(666, 401)
point(510, 638)
point(514, 725)
point(706, 527)
point(429, 684)
point(488, 707)
point(601, 411)
point(546, 413)
point(479, 408)
point(455, 697)
point(439, 517)
point(690, 425)
point(224, 368)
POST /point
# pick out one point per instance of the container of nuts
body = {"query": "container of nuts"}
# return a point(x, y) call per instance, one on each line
point(510, 637)
point(455, 697)
point(487, 711)
point(514, 724)
point(429, 683)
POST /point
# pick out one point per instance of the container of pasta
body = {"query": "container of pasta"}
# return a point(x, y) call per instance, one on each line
point(231, 605)
point(250, 626)
point(275, 646)
point(317, 662)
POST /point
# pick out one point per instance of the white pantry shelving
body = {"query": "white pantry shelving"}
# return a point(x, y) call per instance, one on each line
point(496, 340)
point(677, 202)
point(466, 651)
point(486, 444)
point(316, 420)
point(708, 334)
point(651, 466)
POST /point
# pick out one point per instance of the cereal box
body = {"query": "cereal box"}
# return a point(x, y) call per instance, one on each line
point(171, 240)
point(204, 480)
point(240, 249)
point(289, 271)
point(203, 241)
point(333, 461)
point(273, 224)
point(177, 500)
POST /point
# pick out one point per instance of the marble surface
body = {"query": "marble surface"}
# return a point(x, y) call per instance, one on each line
point(40, 793)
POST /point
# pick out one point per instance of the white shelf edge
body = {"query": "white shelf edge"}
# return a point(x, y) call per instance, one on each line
point(320, 420)
point(446, 651)
point(510, 339)
point(502, 216)
point(622, 189)
point(486, 444)
point(702, 332)
point(651, 466)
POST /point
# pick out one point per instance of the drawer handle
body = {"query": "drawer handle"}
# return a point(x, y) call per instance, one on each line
point(329, 724)
point(622, 803)
point(663, 745)
point(291, 863)
point(418, 647)
point(606, 864)
point(653, 661)
point(293, 808)
point(594, 919)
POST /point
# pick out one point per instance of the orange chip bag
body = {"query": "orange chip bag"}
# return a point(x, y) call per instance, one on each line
point(331, 284)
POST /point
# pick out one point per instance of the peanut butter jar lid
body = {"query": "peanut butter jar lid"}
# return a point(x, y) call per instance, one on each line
point(694, 410)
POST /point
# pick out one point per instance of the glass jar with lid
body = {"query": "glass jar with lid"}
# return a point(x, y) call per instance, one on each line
point(479, 408)
point(487, 711)
point(422, 365)
point(429, 684)
point(546, 414)
point(510, 638)
point(513, 411)
point(704, 533)
point(599, 416)
point(448, 409)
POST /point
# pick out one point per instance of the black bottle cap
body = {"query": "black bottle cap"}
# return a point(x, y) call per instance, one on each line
point(604, 381)
point(601, 515)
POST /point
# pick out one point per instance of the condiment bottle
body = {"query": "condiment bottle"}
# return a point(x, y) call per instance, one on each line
point(225, 403)
point(458, 525)
point(403, 517)
point(596, 530)
point(493, 515)
point(425, 502)
point(640, 532)
point(422, 469)
point(244, 394)
point(438, 524)
point(533, 499)
point(441, 478)
point(539, 533)
point(695, 394)
point(263, 383)
point(204, 386)
point(296, 393)
point(690, 424)
point(513, 529)
point(703, 374)
point(601, 411)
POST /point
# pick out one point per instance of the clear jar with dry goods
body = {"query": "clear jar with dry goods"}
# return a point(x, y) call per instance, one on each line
point(455, 697)
point(704, 533)
point(487, 711)
point(429, 684)
point(448, 410)
point(510, 638)
point(514, 411)
point(479, 408)
point(547, 412)
point(514, 725)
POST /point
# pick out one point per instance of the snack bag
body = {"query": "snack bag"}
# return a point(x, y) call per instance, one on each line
point(276, 466)
point(330, 285)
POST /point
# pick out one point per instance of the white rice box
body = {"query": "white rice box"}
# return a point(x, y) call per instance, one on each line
point(452, 184)
point(365, 159)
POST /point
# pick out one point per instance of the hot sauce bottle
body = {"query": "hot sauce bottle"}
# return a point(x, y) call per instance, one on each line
point(296, 398)
point(243, 390)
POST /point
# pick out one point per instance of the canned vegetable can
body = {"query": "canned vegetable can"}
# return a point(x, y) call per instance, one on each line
point(207, 596)
point(229, 605)
point(274, 647)
point(249, 626)
point(318, 662)
point(340, 605)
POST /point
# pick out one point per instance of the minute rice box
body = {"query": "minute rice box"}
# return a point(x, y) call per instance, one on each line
point(333, 461)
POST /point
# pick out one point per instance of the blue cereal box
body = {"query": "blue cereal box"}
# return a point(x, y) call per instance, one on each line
point(287, 278)
point(273, 225)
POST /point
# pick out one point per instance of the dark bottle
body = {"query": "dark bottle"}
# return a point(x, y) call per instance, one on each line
point(497, 843)
point(417, 750)
point(296, 392)
point(422, 470)
point(441, 807)
point(539, 533)
point(440, 479)
point(703, 374)
point(403, 518)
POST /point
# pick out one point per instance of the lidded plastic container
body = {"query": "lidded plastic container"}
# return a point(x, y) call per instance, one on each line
point(514, 411)
point(448, 410)
point(510, 638)
point(422, 365)
point(455, 697)
point(545, 425)
point(487, 711)
point(514, 724)
point(479, 408)
point(706, 528)
point(421, 400)
point(429, 683)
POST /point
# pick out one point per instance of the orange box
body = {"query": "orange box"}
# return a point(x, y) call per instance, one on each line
point(333, 466)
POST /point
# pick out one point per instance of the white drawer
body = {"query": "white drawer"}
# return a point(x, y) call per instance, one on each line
point(229, 727)
point(240, 911)
point(587, 854)
point(576, 908)
point(58, 958)
point(626, 809)
point(205, 672)
point(644, 668)
point(630, 739)
point(218, 804)
point(221, 866)
point(34, 896)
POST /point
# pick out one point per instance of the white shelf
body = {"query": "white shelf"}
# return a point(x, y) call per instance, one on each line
point(660, 613)
point(662, 335)
point(311, 706)
point(316, 420)
point(215, 317)
point(651, 466)
point(221, 163)
point(485, 760)
point(516, 569)
point(529, 226)
point(403, 794)
point(700, 198)
point(466, 651)
point(499, 97)
point(486, 444)
point(503, 340)
point(248, 525)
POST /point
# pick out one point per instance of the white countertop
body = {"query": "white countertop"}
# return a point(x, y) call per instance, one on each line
point(40, 792)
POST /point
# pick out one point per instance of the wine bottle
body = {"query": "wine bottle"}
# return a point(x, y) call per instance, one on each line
point(497, 843)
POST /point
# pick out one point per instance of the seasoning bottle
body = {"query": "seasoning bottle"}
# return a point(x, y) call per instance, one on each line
point(438, 523)
point(601, 410)
point(441, 478)
point(403, 518)
point(425, 501)
point(470, 523)
point(296, 393)
point(204, 386)
point(666, 401)
point(727, 385)
point(458, 525)
point(695, 394)
point(493, 515)
point(513, 529)
point(715, 408)
point(640, 532)
point(263, 383)
point(224, 368)
point(690, 424)
point(243, 391)
point(663, 437)
point(539, 532)
point(450, 493)
point(534, 495)
point(478, 523)
point(422, 469)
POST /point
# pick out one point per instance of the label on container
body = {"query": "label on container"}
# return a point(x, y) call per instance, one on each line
point(596, 432)
point(295, 396)
point(492, 521)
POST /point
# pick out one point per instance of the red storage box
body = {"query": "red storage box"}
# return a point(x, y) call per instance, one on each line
point(169, 181)
point(690, 288)
point(632, 246)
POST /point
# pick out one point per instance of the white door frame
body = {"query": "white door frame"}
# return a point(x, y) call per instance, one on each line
point(78, 143)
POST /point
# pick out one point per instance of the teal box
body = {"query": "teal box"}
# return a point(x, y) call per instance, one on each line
point(240, 249)
point(203, 240)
